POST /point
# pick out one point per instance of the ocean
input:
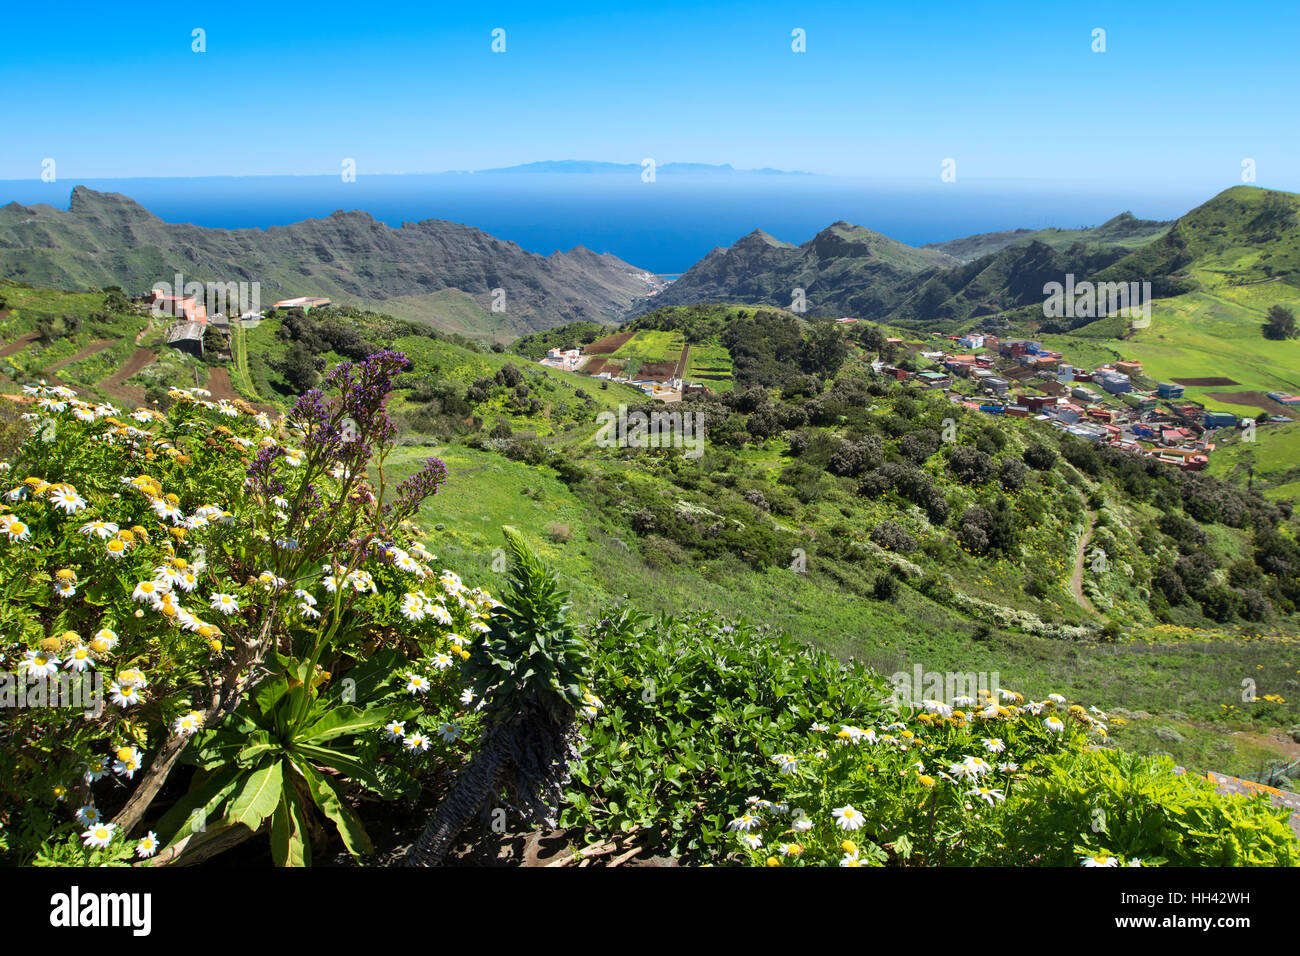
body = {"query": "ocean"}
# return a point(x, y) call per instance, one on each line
point(663, 226)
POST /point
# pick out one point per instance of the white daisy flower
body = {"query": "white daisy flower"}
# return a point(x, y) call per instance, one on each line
point(986, 794)
point(225, 603)
point(147, 846)
point(100, 835)
point(417, 684)
point(79, 659)
point(39, 664)
point(128, 762)
point(100, 529)
point(124, 696)
point(187, 724)
point(744, 823)
point(846, 818)
point(787, 763)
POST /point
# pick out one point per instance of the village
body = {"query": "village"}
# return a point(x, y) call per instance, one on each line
point(665, 384)
point(1114, 404)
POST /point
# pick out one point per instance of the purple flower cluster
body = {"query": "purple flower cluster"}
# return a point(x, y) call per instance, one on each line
point(420, 485)
point(348, 427)
point(262, 472)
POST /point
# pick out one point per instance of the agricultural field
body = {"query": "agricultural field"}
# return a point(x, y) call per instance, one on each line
point(710, 364)
point(71, 338)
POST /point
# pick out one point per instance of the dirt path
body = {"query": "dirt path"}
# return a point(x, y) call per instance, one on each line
point(683, 363)
point(1076, 578)
point(18, 344)
point(129, 393)
point(219, 385)
point(92, 349)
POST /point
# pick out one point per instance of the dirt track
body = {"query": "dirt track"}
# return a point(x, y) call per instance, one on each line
point(129, 393)
point(609, 344)
point(17, 344)
point(1076, 578)
point(219, 385)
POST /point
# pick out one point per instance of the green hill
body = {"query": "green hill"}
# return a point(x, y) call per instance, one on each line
point(438, 272)
point(826, 502)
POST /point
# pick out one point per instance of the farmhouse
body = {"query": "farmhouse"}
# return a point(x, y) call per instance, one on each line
point(177, 306)
point(566, 359)
point(304, 302)
point(187, 337)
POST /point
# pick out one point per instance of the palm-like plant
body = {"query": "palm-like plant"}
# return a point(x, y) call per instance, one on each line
point(528, 672)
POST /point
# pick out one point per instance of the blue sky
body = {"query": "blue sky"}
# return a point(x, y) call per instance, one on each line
point(1012, 91)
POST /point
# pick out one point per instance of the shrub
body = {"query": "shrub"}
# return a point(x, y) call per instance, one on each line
point(890, 535)
point(1039, 457)
point(970, 465)
point(885, 587)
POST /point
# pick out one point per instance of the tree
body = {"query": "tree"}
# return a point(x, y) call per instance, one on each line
point(1280, 324)
point(299, 368)
point(824, 350)
point(970, 465)
point(215, 341)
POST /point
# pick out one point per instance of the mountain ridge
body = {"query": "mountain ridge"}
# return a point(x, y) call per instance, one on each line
point(109, 239)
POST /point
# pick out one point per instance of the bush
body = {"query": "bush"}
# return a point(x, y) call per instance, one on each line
point(890, 535)
point(970, 465)
point(1012, 474)
point(885, 587)
point(1039, 457)
point(1112, 805)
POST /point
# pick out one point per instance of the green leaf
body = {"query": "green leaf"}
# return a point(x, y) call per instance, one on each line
point(388, 781)
point(343, 720)
point(269, 692)
point(209, 795)
point(257, 799)
point(258, 745)
point(327, 798)
point(362, 682)
point(287, 844)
